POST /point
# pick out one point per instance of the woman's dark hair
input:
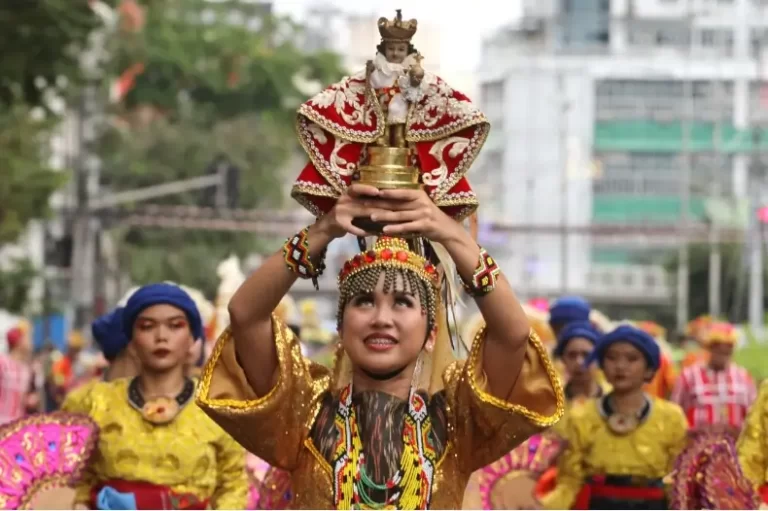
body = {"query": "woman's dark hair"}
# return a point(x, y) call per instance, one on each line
point(380, 48)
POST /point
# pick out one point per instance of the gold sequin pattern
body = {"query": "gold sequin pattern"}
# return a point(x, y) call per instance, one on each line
point(752, 446)
point(593, 449)
point(276, 427)
point(190, 455)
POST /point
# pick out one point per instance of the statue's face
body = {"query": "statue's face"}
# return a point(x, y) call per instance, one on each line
point(395, 52)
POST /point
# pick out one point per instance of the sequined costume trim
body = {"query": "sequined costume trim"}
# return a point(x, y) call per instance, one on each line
point(537, 419)
point(241, 405)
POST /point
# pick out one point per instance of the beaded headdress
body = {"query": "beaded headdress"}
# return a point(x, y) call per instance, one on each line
point(399, 264)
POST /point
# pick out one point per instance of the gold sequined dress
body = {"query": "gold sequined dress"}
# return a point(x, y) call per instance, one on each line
point(191, 456)
point(278, 427)
point(752, 446)
point(596, 456)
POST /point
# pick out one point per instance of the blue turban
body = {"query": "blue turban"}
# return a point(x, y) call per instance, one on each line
point(575, 329)
point(634, 336)
point(568, 309)
point(157, 294)
point(109, 335)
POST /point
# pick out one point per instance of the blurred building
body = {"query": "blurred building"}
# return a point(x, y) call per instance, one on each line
point(588, 103)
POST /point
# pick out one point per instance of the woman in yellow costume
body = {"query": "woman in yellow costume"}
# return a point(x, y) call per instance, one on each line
point(620, 446)
point(752, 446)
point(156, 448)
point(398, 423)
point(511, 482)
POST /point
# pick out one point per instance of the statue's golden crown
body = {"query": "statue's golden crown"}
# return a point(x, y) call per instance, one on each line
point(397, 29)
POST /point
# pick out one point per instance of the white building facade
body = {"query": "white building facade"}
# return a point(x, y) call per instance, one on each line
point(588, 101)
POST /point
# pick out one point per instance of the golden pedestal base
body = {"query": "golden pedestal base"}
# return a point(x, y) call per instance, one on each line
point(388, 168)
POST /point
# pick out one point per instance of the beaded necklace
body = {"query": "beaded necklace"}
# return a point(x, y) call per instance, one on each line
point(410, 486)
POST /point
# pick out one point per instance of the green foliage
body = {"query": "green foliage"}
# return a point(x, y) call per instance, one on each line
point(215, 87)
point(15, 282)
point(40, 41)
point(27, 182)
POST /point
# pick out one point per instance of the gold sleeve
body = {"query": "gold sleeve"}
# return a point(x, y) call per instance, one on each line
point(751, 446)
point(570, 463)
point(275, 426)
point(232, 488)
point(78, 400)
point(488, 427)
point(678, 433)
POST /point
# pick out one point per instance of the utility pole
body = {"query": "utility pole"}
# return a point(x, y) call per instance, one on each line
point(564, 177)
point(755, 178)
point(715, 256)
point(683, 269)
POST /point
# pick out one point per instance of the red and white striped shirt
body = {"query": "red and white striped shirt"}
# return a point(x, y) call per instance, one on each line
point(15, 383)
point(710, 397)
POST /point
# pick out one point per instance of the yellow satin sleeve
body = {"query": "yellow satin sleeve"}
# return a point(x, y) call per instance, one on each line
point(192, 454)
point(78, 400)
point(274, 426)
point(593, 449)
point(486, 427)
point(752, 446)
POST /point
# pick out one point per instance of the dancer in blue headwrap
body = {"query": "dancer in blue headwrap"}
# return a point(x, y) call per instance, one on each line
point(574, 348)
point(620, 446)
point(157, 449)
point(566, 310)
point(108, 333)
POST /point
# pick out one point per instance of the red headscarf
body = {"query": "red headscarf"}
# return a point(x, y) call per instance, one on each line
point(14, 336)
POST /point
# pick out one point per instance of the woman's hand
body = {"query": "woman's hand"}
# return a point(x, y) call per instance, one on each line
point(412, 212)
point(350, 205)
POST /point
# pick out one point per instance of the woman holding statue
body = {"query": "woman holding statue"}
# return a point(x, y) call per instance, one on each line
point(397, 422)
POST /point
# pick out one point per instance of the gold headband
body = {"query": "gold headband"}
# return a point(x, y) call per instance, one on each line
point(393, 257)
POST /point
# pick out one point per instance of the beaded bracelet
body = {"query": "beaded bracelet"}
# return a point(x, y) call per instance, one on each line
point(484, 277)
point(296, 255)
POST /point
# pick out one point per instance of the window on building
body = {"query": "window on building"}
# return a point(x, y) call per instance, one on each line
point(660, 174)
point(661, 100)
point(584, 23)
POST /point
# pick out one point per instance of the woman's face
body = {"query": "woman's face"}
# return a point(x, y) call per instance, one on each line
point(384, 332)
point(625, 367)
point(575, 356)
point(162, 337)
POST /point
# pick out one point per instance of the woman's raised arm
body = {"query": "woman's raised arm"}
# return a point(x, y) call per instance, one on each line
point(251, 307)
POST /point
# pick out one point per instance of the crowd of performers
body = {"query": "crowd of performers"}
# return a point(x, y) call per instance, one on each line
point(558, 408)
point(638, 430)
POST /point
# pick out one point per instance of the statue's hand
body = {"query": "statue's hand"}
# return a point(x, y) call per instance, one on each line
point(369, 68)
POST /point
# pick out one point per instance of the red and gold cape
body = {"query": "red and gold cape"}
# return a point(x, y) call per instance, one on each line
point(336, 125)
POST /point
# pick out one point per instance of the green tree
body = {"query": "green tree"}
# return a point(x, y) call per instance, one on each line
point(208, 86)
point(15, 281)
point(40, 41)
point(27, 181)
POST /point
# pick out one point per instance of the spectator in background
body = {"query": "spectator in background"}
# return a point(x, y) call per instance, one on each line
point(66, 368)
point(16, 383)
point(566, 310)
point(716, 394)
